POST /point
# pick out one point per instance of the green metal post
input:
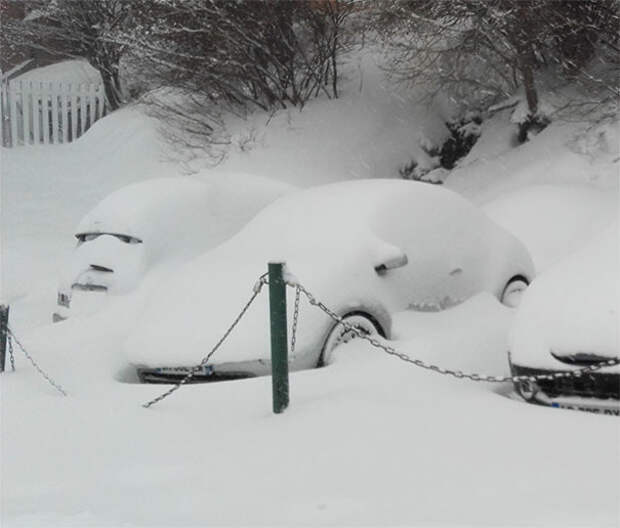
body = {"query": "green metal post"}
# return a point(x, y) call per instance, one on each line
point(4, 322)
point(279, 340)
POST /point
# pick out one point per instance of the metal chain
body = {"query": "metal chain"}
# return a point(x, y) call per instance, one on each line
point(255, 292)
point(295, 319)
point(35, 365)
point(11, 354)
point(456, 373)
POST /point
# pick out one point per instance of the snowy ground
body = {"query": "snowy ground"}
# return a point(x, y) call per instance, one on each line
point(367, 440)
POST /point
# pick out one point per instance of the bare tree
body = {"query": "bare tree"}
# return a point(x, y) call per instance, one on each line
point(202, 59)
point(479, 50)
point(77, 29)
point(248, 53)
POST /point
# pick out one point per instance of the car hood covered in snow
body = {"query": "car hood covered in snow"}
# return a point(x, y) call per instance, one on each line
point(571, 311)
point(331, 238)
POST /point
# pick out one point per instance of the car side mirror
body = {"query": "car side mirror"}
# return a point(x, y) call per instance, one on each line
point(397, 261)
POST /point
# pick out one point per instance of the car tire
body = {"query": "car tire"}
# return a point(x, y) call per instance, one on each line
point(513, 291)
point(338, 335)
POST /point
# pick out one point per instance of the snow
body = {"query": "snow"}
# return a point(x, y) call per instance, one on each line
point(169, 221)
point(369, 133)
point(479, 327)
point(368, 440)
point(351, 449)
point(384, 219)
point(521, 112)
point(66, 72)
point(564, 153)
point(173, 218)
point(573, 307)
point(47, 189)
point(572, 214)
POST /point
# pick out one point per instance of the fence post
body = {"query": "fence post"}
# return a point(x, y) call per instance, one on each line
point(12, 93)
point(279, 341)
point(54, 136)
point(4, 323)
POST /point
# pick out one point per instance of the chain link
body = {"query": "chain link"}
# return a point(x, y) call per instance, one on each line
point(295, 319)
point(374, 341)
point(11, 353)
point(35, 364)
point(255, 292)
point(449, 372)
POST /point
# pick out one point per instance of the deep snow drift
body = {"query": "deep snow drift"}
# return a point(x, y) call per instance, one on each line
point(366, 440)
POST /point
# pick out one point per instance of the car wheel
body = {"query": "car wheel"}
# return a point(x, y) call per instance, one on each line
point(338, 334)
point(513, 291)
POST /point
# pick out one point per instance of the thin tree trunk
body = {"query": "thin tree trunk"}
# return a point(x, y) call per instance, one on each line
point(335, 66)
point(112, 87)
point(531, 94)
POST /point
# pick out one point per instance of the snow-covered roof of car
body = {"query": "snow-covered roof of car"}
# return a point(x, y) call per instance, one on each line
point(173, 213)
point(139, 209)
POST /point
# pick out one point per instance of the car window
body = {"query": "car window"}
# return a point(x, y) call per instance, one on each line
point(88, 237)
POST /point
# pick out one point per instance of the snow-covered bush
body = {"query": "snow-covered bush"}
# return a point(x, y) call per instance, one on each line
point(464, 133)
point(530, 124)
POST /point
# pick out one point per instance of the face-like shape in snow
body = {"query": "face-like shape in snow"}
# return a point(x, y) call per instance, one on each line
point(109, 262)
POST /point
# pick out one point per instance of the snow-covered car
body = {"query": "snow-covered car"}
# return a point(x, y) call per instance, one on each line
point(366, 248)
point(152, 227)
point(568, 320)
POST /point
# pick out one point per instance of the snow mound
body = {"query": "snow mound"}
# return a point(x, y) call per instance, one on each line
point(66, 72)
point(572, 308)
point(371, 131)
point(182, 215)
point(47, 189)
point(572, 215)
point(564, 153)
point(150, 210)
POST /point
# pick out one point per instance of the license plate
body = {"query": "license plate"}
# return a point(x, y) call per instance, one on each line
point(595, 409)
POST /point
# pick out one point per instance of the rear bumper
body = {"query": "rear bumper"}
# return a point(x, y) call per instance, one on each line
point(597, 392)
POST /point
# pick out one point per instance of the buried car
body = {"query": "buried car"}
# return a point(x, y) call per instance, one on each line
point(150, 227)
point(568, 321)
point(366, 248)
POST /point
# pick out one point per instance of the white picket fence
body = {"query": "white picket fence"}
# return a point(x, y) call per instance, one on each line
point(35, 113)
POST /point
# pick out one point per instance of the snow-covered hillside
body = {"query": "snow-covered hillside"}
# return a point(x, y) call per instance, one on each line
point(367, 440)
point(373, 130)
